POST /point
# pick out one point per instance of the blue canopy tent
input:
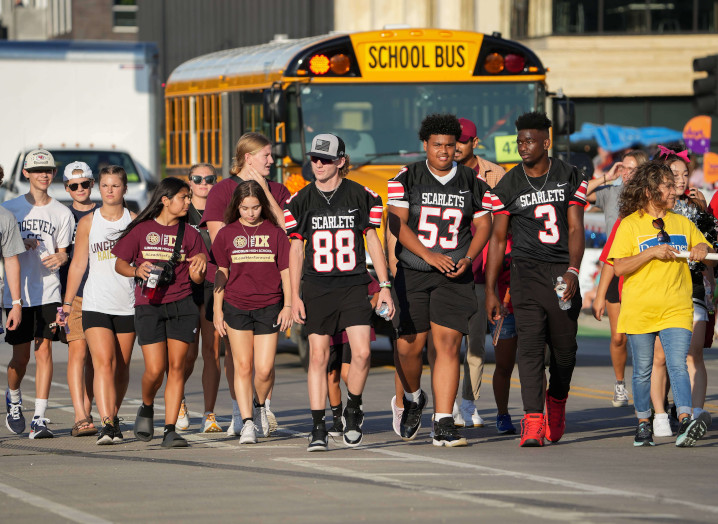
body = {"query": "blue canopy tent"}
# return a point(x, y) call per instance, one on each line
point(614, 138)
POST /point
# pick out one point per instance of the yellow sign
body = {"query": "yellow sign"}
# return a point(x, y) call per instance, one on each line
point(710, 168)
point(506, 149)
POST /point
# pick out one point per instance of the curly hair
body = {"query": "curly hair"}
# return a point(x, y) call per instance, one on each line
point(437, 124)
point(533, 120)
point(643, 188)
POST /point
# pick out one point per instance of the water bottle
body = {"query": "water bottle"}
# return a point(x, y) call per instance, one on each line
point(383, 311)
point(43, 253)
point(150, 286)
point(63, 317)
point(560, 288)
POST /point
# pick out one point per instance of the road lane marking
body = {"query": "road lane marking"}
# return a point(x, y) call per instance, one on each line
point(44, 504)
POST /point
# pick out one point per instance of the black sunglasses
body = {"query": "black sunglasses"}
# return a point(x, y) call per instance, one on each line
point(197, 179)
point(662, 236)
point(85, 185)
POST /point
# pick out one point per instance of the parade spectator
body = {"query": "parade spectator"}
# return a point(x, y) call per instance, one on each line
point(543, 199)
point(252, 299)
point(46, 227)
point(108, 300)
point(158, 243)
point(202, 178)
point(656, 299)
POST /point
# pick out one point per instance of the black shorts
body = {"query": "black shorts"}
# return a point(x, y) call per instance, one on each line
point(425, 297)
point(115, 323)
point(339, 354)
point(158, 322)
point(203, 295)
point(34, 324)
point(262, 321)
point(612, 294)
point(331, 311)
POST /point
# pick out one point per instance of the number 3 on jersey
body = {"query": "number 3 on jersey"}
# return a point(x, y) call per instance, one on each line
point(551, 234)
point(452, 215)
point(325, 243)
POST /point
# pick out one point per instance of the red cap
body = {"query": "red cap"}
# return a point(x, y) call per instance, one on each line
point(468, 130)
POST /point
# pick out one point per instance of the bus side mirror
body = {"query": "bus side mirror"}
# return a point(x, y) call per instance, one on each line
point(564, 116)
point(275, 105)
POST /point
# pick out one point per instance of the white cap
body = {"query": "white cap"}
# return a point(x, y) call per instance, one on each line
point(77, 166)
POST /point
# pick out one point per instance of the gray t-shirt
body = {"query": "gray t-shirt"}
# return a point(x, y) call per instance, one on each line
point(10, 240)
point(607, 199)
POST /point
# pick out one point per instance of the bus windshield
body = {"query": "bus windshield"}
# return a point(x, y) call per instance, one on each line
point(379, 123)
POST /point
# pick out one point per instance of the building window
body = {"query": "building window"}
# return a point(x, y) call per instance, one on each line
point(124, 16)
point(632, 16)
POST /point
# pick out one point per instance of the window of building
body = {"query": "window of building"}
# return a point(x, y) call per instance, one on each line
point(124, 16)
point(670, 112)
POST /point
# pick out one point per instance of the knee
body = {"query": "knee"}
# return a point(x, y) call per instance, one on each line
point(19, 361)
point(618, 340)
point(262, 375)
point(243, 368)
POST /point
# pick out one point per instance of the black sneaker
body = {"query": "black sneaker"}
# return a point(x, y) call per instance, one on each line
point(107, 434)
point(353, 419)
point(446, 434)
point(118, 437)
point(318, 439)
point(644, 435)
point(690, 431)
point(411, 418)
point(337, 429)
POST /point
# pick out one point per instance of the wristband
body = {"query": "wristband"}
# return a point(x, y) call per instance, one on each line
point(572, 270)
point(470, 259)
point(386, 284)
point(67, 304)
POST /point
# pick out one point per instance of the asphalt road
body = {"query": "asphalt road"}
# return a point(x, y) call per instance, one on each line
point(593, 475)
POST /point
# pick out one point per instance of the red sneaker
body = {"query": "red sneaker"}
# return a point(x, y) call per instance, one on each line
point(533, 430)
point(556, 415)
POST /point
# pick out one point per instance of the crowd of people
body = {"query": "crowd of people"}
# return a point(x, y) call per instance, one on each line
point(467, 248)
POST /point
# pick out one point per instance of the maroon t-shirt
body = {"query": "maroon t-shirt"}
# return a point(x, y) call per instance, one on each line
point(221, 195)
point(152, 242)
point(254, 256)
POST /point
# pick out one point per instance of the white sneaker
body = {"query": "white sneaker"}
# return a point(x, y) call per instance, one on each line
point(620, 395)
point(261, 424)
point(232, 429)
point(661, 425)
point(396, 413)
point(471, 417)
point(459, 421)
point(247, 435)
point(182, 418)
point(272, 421)
point(209, 424)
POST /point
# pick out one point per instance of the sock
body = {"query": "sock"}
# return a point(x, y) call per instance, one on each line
point(620, 382)
point(147, 411)
point(318, 417)
point(413, 397)
point(353, 401)
point(257, 404)
point(168, 428)
point(267, 402)
point(15, 395)
point(235, 409)
point(40, 407)
point(244, 420)
point(337, 411)
point(439, 416)
point(697, 412)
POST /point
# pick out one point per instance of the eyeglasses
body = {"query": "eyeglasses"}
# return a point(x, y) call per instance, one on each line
point(85, 185)
point(197, 179)
point(662, 236)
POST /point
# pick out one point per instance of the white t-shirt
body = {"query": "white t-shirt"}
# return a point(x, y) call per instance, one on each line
point(52, 224)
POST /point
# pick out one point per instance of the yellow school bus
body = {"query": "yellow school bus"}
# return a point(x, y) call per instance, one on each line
point(372, 88)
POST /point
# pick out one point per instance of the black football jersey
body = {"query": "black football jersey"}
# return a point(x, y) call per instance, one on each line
point(538, 209)
point(334, 232)
point(439, 213)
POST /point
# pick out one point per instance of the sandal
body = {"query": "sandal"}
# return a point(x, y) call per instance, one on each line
point(84, 428)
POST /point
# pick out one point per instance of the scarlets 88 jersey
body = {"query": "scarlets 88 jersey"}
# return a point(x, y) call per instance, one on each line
point(539, 209)
point(334, 232)
point(440, 209)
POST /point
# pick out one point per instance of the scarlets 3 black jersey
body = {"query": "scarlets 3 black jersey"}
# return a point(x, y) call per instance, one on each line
point(334, 248)
point(539, 209)
point(440, 209)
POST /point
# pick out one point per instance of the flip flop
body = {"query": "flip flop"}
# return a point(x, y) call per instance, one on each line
point(144, 427)
point(82, 428)
point(174, 440)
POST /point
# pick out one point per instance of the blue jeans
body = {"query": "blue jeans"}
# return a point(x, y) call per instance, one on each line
point(675, 343)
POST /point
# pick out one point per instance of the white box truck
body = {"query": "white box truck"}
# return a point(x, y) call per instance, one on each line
point(81, 98)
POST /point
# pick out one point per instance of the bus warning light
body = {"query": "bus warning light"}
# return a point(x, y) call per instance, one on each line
point(340, 64)
point(494, 63)
point(515, 63)
point(319, 64)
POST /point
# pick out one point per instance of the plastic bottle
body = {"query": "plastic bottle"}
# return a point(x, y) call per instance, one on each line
point(560, 288)
point(43, 253)
point(383, 311)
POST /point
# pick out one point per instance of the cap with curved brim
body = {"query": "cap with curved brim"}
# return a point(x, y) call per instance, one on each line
point(327, 147)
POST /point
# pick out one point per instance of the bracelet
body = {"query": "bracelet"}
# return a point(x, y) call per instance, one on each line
point(386, 284)
point(604, 179)
point(470, 259)
point(67, 304)
point(288, 306)
point(572, 270)
point(136, 272)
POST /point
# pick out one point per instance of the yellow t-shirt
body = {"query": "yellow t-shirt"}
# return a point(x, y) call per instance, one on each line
point(657, 295)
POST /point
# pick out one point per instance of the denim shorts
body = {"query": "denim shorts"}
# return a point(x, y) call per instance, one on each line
point(508, 328)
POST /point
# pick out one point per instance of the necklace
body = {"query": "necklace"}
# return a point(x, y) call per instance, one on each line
point(324, 195)
point(529, 181)
point(245, 230)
